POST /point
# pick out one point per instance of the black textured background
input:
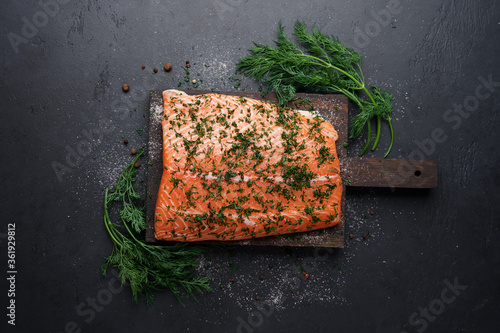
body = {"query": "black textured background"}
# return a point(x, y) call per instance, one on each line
point(61, 85)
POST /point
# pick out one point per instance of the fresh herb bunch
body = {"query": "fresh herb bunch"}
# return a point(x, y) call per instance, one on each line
point(147, 267)
point(327, 67)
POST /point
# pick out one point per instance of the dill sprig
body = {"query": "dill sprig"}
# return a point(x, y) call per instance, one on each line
point(143, 266)
point(318, 63)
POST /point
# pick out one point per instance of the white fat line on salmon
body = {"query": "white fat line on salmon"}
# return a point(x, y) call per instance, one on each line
point(326, 178)
point(248, 221)
point(312, 113)
point(246, 178)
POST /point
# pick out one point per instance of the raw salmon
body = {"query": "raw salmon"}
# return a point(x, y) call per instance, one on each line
point(238, 168)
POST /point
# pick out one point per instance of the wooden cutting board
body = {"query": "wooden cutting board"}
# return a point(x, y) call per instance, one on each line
point(358, 171)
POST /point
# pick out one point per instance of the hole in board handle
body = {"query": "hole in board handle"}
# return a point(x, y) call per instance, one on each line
point(418, 173)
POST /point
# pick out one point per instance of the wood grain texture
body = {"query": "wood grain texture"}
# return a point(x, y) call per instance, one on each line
point(374, 172)
point(155, 160)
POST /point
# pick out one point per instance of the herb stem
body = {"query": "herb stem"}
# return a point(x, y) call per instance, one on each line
point(107, 221)
point(361, 73)
point(329, 65)
point(368, 138)
point(130, 232)
point(392, 137)
point(377, 138)
point(351, 96)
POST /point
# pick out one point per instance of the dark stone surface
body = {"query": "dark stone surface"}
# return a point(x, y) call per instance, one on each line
point(63, 85)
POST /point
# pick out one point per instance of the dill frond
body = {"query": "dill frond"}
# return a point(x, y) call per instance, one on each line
point(322, 64)
point(147, 268)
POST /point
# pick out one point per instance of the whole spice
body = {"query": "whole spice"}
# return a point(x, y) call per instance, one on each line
point(193, 81)
point(143, 67)
point(125, 87)
point(372, 212)
point(261, 277)
point(167, 67)
point(187, 66)
point(133, 151)
point(257, 298)
point(363, 236)
point(231, 280)
point(155, 70)
point(137, 164)
point(351, 236)
point(125, 141)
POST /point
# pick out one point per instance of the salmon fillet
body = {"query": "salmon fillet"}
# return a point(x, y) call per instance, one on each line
point(238, 168)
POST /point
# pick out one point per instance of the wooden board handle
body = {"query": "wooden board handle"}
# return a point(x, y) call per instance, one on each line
point(374, 172)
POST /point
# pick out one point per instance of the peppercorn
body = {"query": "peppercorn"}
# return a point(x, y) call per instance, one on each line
point(155, 70)
point(137, 164)
point(231, 280)
point(372, 212)
point(187, 62)
point(257, 298)
point(187, 65)
point(363, 236)
point(125, 141)
point(351, 236)
point(133, 151)
point(270, 266)
point(125, 87)
point(143, 67)
point(261, 277)
point(194, 81)
point(167, 67)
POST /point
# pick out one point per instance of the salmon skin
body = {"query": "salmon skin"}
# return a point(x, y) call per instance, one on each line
point(238, 168)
